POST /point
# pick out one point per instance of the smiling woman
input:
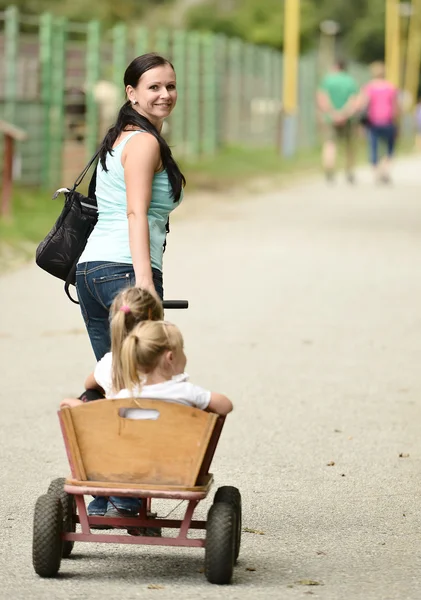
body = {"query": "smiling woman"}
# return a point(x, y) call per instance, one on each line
point(138, 185)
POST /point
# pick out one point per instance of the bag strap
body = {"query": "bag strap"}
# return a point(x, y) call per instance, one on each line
point(85, 170)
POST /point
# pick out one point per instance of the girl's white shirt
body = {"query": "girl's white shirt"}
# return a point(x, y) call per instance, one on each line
point(177, 389)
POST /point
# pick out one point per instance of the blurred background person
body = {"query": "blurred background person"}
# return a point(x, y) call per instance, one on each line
point(337, 103)
point(380, 105)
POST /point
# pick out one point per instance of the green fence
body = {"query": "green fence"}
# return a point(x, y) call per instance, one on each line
point(62, 82)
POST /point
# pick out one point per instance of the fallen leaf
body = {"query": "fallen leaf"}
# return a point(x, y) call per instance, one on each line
point(320, 553)
point(331, 463)
point(350, 437)
point(155, 586)
point(337, 431)
point(403, 455)
point(256, 531)
point(250, 569)
point(201, 570)
point(290, 586)
point(342, 474)
point(308, 582)
point(309, 593)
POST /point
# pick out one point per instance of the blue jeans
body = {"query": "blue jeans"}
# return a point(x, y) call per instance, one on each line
point(385, 133)
point(97, 284)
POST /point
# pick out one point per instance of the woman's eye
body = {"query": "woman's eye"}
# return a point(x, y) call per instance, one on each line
point(153, 87)
point(171, 87)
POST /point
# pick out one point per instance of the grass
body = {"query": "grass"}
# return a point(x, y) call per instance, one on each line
point(34, 212)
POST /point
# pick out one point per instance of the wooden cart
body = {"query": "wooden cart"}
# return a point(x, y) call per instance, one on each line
point(143, 449)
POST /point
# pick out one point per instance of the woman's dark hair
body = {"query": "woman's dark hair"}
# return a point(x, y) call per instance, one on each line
point(129, 116)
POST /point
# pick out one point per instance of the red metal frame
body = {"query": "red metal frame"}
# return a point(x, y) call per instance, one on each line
point(143, 519)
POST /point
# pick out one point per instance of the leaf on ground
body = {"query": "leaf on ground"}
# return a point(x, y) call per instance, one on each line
point(337, 430)
point(155, 586)
point(250, 569)
point(331, 463)
point(256, 531)
point(290, 586)
point(320, 553)
point(308, 582)
point(342, 474)
point(201, 570)
point(309, 593)
point(403, 455)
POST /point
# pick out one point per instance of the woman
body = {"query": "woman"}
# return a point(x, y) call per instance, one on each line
point(138, 185)
point(380, 100)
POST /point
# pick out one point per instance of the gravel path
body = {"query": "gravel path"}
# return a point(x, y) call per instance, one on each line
point(305, 309)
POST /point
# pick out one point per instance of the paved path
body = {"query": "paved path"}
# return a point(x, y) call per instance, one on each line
point(305, 309)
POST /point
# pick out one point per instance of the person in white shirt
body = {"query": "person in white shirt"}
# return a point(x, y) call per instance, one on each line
point(152, 365)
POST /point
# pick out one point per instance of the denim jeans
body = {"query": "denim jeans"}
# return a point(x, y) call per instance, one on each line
point(97, 284)
point(385, 133)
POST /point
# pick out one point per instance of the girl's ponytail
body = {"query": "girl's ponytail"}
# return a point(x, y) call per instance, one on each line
point(130, 375)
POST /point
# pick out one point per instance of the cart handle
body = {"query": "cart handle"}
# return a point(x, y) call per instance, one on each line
point(175, 304)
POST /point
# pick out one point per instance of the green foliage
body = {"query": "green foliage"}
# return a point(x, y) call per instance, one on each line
point(256, 21)
point(361, 22)
point(108, 11)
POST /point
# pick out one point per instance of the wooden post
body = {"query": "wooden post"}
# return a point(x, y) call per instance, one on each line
point(10, 133)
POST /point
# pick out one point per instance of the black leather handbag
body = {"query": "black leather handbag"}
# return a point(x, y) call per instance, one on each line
point(59, 251)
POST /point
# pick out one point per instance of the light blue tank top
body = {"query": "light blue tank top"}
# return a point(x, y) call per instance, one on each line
point(109, 240)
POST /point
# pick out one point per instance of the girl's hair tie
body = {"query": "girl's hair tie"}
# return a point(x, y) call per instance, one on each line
point(125, 309)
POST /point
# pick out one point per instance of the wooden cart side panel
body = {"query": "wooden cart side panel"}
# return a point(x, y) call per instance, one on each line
point(71, 443)
point(167, 451)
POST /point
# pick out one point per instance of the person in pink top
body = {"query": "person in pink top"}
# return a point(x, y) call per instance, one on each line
point(379, 98)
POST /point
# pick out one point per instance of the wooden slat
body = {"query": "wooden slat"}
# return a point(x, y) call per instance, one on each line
point(168, 451)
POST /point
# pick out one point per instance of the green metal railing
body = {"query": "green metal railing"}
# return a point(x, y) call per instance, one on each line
point(229, 90)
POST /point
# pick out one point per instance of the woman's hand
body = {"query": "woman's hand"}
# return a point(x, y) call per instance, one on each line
point(149, 287)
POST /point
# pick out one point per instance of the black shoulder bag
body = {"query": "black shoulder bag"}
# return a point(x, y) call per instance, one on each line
point(59, 252)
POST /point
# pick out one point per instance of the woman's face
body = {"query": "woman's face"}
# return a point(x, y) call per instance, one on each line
point(155, 94)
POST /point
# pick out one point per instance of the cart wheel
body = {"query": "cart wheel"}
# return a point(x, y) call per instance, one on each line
point(47, 544)
point(231, 495)
point(69, 510)
point(220, 543)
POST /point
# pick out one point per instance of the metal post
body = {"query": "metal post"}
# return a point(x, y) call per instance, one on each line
point(179, 121)
point(234, 94)
point(290, 74)
point(11, 36)
point(162, 42)
point(193, 94)
point(209, 96)
point(93, 52)
point(142, 41)
point(392, 42)
point(413, 59)
point(46, 36)
point(119, 33)
point(57, 120)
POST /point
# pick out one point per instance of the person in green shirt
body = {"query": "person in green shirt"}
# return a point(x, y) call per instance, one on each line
point(337, 104)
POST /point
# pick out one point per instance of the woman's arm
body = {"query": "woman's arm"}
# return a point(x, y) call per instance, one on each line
point(140, 161)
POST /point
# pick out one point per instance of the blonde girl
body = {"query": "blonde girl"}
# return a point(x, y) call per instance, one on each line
point(152, 366)
point(129, 307)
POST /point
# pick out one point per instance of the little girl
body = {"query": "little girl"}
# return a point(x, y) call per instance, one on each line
point(131, 306)
point(152, 366)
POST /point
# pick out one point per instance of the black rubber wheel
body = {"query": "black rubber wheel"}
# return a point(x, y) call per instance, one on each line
point(47, 544)
point(69, 511)
point(220, 543)
point(232, 496)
